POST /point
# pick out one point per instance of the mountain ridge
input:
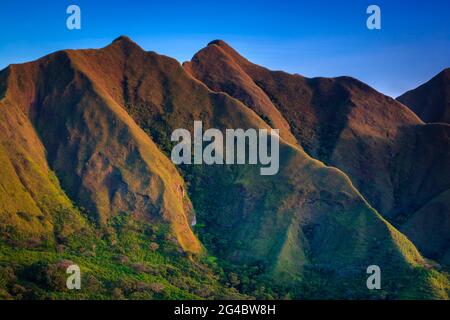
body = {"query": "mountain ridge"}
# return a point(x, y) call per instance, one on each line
point(103, 119)
point(431, 100)
point(345, 123)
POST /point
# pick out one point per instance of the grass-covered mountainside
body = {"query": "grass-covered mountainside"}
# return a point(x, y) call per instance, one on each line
point(397, 162)
point(431, 100)
point(86, 178)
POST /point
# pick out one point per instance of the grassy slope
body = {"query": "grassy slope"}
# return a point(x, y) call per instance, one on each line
point(104, 160)
point(398, 163)
point(306, 228)
point(428, 228)
point(431, 100)
point(124, 257)
point(30, 193)
point(249, 219)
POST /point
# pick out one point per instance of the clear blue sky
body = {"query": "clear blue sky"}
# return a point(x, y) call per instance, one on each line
point(312, 38)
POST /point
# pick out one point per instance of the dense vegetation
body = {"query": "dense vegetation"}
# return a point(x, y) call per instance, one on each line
point(125, 260)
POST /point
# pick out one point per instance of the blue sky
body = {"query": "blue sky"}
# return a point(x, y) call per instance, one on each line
point(312, 38)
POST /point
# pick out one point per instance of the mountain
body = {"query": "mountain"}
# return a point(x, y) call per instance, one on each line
point(431, 100)
point(397, 162)
point(429, 226)
point(103, 160)
point(82, 183)
point(95, 126)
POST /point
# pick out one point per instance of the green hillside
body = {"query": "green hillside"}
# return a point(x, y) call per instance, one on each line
point(86, 178)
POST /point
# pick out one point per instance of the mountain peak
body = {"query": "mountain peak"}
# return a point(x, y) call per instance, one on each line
point(125, 41)
point(126, 45)
point(225, 47)
point(123, 38)
point(445, 72)
point(218, 42)
point(430, 101)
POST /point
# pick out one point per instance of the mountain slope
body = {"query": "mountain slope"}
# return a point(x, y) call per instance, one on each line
point(345, 123)
point(434, 218)
point(127, 221)
point(249, 218)
point(105, 162)
point(228, 76)
point(305, 232)
point(431, 100)
point(31, 197)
